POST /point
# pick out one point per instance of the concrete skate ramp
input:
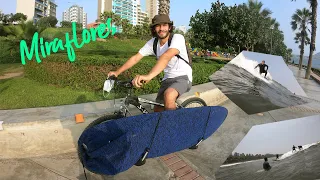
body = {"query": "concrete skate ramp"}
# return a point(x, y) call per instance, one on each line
point(277, 68)
point(243, 84)
point(304, 164)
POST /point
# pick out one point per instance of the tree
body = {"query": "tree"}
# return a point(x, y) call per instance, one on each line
point(126, 26)
point(115, 18)
point(300, 20)
point(46, 22)
point(314, 6)
point(7, 18)
point(259, 25)
point(66, 24)
point(289, 55)
point(19, 17)
point(23, 31)
point(237, 28)
point(164, 7)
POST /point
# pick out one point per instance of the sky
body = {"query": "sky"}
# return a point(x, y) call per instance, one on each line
point(182, 10)
point(279, 137)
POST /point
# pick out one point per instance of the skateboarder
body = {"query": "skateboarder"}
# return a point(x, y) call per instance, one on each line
point(293, 148)
point(263, 69)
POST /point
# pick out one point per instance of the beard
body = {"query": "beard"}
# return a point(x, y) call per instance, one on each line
point(163, 36)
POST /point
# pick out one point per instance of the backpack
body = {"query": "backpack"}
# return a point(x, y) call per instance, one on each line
point(155, 43)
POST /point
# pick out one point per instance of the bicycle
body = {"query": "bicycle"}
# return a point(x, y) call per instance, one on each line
point(136, 101)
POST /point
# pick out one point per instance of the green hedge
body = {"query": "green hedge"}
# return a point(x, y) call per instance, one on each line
point(90, 72)
point(8, 54)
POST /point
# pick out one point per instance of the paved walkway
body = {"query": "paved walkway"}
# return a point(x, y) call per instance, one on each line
point(198, 164)
point(311, 87)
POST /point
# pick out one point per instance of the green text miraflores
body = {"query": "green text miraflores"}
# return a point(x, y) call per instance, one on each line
point(57, 44)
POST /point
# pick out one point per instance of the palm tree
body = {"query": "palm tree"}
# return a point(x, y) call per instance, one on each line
point(259, 16)
point(298, 39)
point(23, 31)
point(164, 7)
point(300, 20)
point(289, 54)
point(116, 19)
point(314, 6)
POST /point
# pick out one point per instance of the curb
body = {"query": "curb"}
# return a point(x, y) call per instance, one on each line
point(60, 135)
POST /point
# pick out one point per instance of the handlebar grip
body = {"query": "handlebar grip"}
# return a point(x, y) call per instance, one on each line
point(113, 77)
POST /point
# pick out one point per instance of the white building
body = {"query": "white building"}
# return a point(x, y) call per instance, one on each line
point(140, 14)
point(75, 14)
point(152, 8)
point(126, 9)
point(182, 28)
point(36, 9)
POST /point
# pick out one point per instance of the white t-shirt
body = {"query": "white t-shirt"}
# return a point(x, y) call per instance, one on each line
point(176, 67)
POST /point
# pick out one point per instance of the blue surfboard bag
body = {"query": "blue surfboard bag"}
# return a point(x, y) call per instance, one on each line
point(115, 146)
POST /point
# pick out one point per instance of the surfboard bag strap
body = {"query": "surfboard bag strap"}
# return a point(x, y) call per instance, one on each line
point(148, 148)
point(205, 128)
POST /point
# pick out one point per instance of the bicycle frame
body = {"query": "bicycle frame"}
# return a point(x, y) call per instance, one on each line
point(136, 101)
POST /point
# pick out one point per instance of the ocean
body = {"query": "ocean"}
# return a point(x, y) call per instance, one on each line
point(315, 61)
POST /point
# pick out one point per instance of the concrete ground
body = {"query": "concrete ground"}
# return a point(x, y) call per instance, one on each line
point(39, 143)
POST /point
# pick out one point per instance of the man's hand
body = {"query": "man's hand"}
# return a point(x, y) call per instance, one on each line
point(139, 80)
point(113, 73)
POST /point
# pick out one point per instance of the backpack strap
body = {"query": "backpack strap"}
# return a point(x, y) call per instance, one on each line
point(177, 55)
point(155, 43)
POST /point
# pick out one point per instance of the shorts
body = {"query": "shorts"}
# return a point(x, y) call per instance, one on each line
point(180, 84)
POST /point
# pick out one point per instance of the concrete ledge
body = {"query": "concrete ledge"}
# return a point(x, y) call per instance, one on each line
point(50, 131)
point(315, 77)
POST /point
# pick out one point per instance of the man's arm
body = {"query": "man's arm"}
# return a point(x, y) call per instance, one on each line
point(267, 67)
point(257, 66)
point(157, 69)
point(163, 62)
point(131, 62)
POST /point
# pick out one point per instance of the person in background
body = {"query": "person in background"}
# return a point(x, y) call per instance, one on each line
point(266, 165)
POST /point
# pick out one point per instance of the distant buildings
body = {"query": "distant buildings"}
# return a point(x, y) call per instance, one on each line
point(126, 9)
point(75, 14)
point(182, 28)
point(36, 9)
point(152, 8)
point(140, 14)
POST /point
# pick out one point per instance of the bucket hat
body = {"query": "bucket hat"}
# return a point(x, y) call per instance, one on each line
point(159, 19)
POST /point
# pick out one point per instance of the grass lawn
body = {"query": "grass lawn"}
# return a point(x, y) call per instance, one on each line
point(21, 92)
point(24, 93)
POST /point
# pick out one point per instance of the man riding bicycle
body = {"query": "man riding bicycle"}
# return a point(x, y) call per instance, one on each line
point(177, 73)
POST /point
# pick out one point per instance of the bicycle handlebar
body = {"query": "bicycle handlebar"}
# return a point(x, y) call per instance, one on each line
point(127, 84)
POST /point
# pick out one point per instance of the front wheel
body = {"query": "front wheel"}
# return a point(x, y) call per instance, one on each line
point(104, 118)
point(193, 102)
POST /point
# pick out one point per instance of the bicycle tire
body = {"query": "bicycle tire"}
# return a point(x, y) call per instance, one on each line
point(196, 100)
point(102, 119)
